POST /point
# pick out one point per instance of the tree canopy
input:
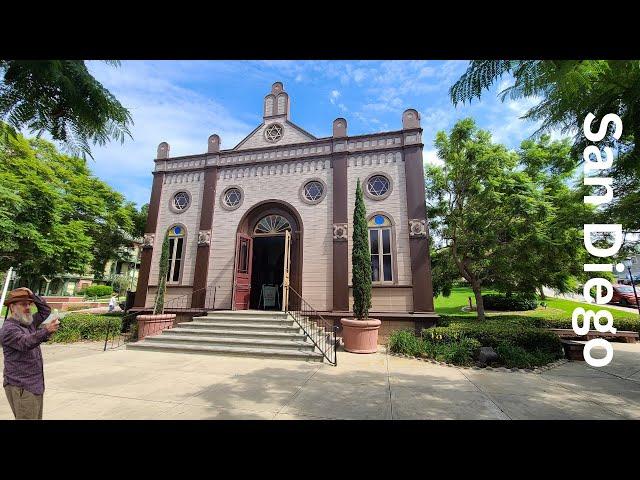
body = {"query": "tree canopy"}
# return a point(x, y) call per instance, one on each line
point(62, 98)
point(569, 90)
point(55, 216)
point(505, 219)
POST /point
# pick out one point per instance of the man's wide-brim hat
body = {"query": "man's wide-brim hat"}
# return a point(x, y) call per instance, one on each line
point(18, 295)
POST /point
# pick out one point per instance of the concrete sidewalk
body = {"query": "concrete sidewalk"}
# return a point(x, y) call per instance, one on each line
point(83, 382)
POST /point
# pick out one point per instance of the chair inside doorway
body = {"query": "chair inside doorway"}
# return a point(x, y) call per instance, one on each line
point(267, 272)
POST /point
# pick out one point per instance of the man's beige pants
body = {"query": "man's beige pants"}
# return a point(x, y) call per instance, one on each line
point(24, 404)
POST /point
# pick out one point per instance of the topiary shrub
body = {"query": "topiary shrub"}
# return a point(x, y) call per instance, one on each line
point(504, 303)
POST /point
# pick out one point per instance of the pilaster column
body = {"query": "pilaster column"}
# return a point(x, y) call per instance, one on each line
point(205, 233)
point(340, 218)
point(150, 229)
point(416, 213)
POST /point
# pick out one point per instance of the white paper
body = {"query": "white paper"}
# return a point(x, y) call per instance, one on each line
point(53, 316)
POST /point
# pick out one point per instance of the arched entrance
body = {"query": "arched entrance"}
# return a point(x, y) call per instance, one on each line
point(260, 255)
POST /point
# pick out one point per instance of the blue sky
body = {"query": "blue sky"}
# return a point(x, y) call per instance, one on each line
point(183, 102)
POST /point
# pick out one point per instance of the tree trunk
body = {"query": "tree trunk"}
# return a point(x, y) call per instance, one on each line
point(542, 295)
point(477, 291)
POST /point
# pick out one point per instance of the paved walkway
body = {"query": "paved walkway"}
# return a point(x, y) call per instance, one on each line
point(85, 383)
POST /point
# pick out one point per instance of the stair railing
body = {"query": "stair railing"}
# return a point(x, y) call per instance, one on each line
point(321, 332)
point(201, 300)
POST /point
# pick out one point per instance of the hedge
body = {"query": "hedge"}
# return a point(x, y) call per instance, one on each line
point(97, 291)
point(624, 324)
point(503, 303)
point(458, 352)
point(494, 332)
point(76, 327)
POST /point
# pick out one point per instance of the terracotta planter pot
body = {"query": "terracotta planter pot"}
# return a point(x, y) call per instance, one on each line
point(360, 336)
point(154, 324)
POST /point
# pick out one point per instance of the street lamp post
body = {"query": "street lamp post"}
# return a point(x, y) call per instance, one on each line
point(627, 263)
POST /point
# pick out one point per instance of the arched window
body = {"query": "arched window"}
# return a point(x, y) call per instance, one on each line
point(380, 248)
point(176, 253)
point(272, 225)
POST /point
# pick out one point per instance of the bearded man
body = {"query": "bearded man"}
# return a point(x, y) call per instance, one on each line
point(21, 338)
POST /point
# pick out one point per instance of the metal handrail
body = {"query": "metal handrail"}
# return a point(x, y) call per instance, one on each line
point(319, 330)
point(177, 304)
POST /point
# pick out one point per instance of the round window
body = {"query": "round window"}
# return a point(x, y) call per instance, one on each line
point(180, 202)
point(232, 198)
point(313, 191)
point(378, 187)
point(273, 132)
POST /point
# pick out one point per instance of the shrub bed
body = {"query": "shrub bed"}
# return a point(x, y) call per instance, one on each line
point(76, 327)
point(503, 303)
point(519, 341)
point(459, 352)
point(626, 324)
point(97, 291)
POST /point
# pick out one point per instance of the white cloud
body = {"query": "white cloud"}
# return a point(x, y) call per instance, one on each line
point(431, 157)
point(333, 96)
point(162, 111)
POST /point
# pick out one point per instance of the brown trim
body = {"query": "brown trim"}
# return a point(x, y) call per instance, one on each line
point(172, 286)
point(385, 285)
point(208, 198)
point(340, 247)
point(206, 221)
point(418, 246)
point(152, 223)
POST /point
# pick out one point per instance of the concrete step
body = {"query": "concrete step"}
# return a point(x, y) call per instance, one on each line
point(247, 326)
point(234, 333)
point(227, 350)
point(248, 314)
point(249, 320)
point(230, 341)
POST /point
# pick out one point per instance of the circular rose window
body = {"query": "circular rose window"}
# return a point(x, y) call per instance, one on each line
point(378, 187)
point(273, 132)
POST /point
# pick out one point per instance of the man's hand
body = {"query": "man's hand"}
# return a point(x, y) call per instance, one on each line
point(27, 290)
point(53, 326)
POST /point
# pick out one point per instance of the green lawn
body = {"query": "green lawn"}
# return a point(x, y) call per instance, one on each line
point(556, 308)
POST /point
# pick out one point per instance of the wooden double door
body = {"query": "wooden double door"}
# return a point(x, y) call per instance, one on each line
point(243, 271)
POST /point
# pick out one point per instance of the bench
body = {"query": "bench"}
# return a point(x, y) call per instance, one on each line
point(620, 335)
point(573, 350)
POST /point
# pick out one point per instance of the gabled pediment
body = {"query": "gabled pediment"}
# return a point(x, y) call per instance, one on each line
point(275, 131)
point(276, 127)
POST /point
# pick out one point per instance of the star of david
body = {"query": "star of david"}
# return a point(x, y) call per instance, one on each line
point(313, 191)
point(232, 198)
point(378, 186)
point(273, 133)
point(181, 201)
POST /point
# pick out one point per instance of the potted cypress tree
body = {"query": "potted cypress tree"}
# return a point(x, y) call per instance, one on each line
point(360, 334)
point(158, 321)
